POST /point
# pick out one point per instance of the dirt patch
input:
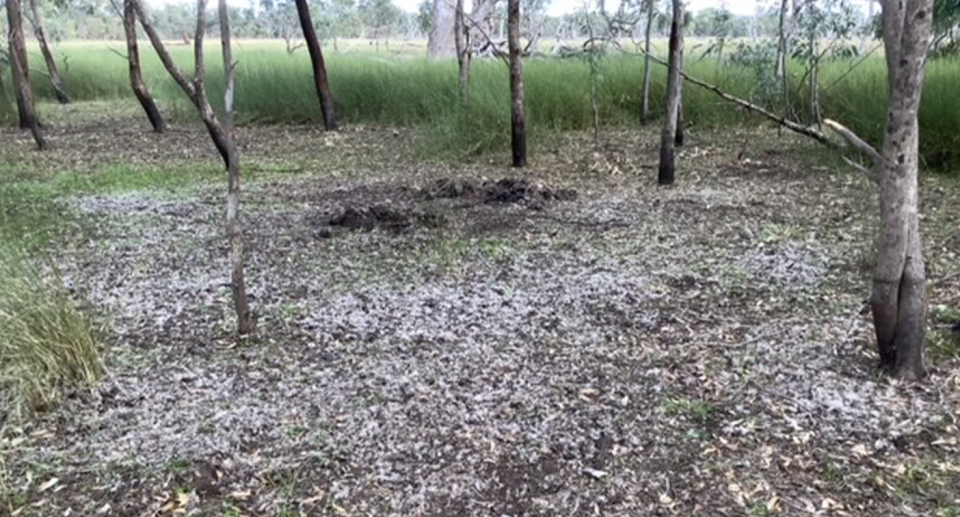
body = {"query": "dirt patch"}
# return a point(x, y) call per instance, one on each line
point(385, 217)
point(502, 191)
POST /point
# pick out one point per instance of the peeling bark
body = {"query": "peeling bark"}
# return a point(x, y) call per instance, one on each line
point(52, 71)
point(320, 80)
point(136, 76)
point(668, 135)
point(21, 75)
point(518, 133)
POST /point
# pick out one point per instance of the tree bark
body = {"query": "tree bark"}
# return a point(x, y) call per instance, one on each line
point(136, 76)
point(440, 42)
point(245, 320)
point(899, 299)
point(21, 76)
point(464, 52)
point(48, 57)
point(645, 110)
point(518, 133)
point(667, 170)
point(319, 67)
point(221, 132)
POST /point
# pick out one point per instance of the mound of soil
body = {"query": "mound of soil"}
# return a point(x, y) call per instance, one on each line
point(383, 216)
point(503, 191)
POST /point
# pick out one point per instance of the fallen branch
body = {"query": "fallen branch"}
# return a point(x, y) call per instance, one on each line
point(849, 136)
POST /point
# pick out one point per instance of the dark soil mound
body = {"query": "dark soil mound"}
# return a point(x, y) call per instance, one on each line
point(382, 216)
point(505, 191)
point(513, 190)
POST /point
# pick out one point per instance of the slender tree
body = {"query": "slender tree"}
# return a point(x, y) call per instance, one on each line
point(21, 76)
point(899, 300)
point(668, 135)
point(645, 113)
point(464, 51)
point(518, 133)
point(221, 132)
point(52, 71)
point(136, 76)
point(320, 80)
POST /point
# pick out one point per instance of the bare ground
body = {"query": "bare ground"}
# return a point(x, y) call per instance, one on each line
point(627, 350)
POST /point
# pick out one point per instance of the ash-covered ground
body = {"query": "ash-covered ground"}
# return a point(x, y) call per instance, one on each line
point(439, 339)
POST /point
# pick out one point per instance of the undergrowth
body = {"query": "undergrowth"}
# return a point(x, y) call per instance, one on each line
point(406, 90)
point(47, 344)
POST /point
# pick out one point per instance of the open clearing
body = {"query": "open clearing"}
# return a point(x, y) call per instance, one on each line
point(585, 343)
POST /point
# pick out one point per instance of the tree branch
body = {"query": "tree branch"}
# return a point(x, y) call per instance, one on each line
point(849, 136)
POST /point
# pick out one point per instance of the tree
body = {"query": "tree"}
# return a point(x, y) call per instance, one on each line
point(320, 80)
point(651, 14)
point(21, 76)
point(518, 133)
point(668, 135)
point(899, 299)
point(464, 52)
point(136, 76)
point(221, 132)
point(440, 43)
point(51, 62)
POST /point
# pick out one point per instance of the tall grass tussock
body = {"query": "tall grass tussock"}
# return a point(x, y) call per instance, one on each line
point(47, 344)
point(406, 90)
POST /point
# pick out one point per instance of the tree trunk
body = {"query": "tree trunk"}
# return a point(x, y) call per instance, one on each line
point(782, 41)
point(678, 139)
point(667, 171)
point(518, 133)
point(21, 77)
point(319, 68)
point(645, 111)
point(440, 42)
point(464, 52)
point(221, 132)
point(245, 321)
point(136, 77)
point(48, 58)
point(899, 299)
point(814, 82)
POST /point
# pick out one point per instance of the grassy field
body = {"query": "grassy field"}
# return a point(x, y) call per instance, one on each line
point(398, 87)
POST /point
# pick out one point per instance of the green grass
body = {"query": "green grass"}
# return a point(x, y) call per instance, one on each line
point(47, 345)
point(406, 90)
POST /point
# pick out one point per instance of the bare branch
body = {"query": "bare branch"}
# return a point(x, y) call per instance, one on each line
point(493, 46)
point(855, 141)
point(161, 50)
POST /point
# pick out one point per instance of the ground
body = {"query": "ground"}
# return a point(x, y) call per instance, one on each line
point(586, 343)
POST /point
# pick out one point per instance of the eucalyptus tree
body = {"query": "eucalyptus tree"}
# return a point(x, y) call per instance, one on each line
point(320, 80)
point(136, 75)
point(20, 69)
point(518, 119)
point(40, 34)
point(221, 131)
point(668, 134)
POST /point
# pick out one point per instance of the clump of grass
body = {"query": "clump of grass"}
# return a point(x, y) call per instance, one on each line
point(47, 344)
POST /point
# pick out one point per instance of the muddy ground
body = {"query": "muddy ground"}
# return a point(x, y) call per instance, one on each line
point(579, 342)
